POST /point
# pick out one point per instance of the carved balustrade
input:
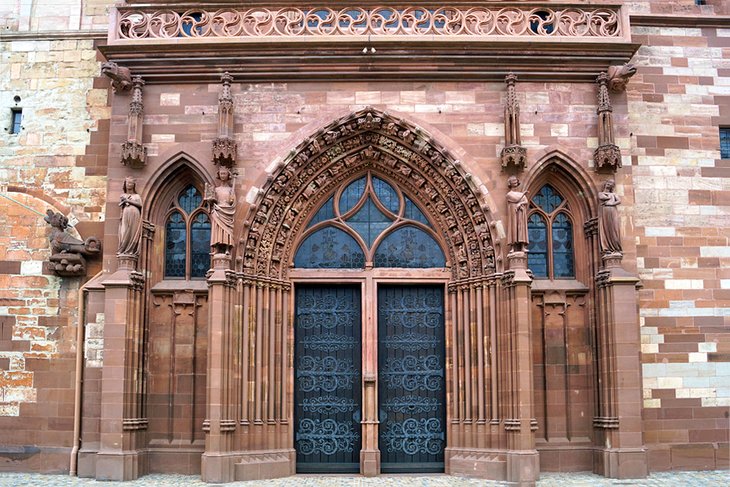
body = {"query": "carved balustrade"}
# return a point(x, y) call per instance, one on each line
point(471, 19)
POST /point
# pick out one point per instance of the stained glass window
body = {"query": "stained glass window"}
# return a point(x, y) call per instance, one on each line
point(200, 245)
point(175, 246)
point(409, 247)
point(330, 248)
point(537, 256)
point(187, 236)
point(551, 236)
point(370, 207)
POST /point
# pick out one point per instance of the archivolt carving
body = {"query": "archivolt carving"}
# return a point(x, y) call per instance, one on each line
point(400, 151)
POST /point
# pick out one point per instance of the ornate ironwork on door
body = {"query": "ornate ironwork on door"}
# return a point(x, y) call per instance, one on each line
point(327, 378)
point(412, 385)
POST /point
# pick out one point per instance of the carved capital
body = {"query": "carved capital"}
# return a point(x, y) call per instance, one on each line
point(224, 151)
point(514, 156)
point(68, 265)
point(612, 259)
point(134, 155)
point(607, 157)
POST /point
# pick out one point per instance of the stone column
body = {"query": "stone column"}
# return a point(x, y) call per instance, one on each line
point(523, 462)
point(217, 460)
point(123, 421)
point(620, 450)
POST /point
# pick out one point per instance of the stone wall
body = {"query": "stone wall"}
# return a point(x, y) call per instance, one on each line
point(48, 67)
point(677, 102)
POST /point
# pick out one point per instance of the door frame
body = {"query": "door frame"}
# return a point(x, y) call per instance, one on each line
point(369, 279)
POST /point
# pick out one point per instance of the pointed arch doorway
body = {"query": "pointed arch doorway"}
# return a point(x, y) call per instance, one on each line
point(409, 195)
point(369, 271)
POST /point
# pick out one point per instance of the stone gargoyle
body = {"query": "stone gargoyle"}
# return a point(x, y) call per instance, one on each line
point(120, 76)
point(67, 252)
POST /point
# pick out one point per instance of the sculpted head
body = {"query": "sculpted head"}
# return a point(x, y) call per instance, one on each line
point(224, 174)
point(513, 182)
point(609, 185)
point(130, 185)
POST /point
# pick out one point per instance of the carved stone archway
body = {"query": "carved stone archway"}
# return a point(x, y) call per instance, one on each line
point(394, 147)
point(249, 419)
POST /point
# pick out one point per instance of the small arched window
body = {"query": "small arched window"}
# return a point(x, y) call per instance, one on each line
point(550, 228)
point(187, 236)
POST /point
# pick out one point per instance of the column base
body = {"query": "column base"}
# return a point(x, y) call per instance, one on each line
point(523, 467)
point(369, 463)
point(476, 462)
point(120, 466)
point(254, 465)
point(624, 463)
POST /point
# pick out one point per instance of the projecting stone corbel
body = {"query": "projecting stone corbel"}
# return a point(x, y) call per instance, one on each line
point(513, 155)
point(120, 76)
point(607, 156)
point(134, 154)
point(68, 252)
point(618, 76)
point(224, 146)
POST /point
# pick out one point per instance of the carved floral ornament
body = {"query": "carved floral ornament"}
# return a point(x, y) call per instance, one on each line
point(367, 140)
point(490, 20)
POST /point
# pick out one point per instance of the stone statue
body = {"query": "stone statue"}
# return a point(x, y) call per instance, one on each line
point(130, 223)
point(517, 206)
point(618, 76)
point(609, 221)
point(222, 201)
point(67, 251)
point(120, 76)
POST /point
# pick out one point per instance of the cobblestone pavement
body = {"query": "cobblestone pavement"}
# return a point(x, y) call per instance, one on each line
point(719, 478)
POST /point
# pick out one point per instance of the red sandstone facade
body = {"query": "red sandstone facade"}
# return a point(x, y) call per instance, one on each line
point(600, 370)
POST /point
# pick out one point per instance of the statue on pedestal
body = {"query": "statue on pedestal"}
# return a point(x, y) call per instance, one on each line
point(130, 221)
point(222, 201)
point(517, 206)
point(609, 220)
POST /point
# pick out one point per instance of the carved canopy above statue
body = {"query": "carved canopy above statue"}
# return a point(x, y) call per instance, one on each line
point(392, 147)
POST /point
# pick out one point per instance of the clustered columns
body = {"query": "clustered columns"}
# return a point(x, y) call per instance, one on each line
point(513, 155)
point(607, 155)
point(224, 358)
point(134, 154)
point(619, 447)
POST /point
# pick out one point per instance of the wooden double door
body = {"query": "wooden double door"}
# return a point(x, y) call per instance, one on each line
point(328, 377)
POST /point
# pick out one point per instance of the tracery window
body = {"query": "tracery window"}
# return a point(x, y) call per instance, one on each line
point(550, 228)
point(187, 236)
point(369, 222)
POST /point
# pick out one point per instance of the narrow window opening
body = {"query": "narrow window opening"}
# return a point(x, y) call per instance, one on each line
point(15, 120)
point(725, 142)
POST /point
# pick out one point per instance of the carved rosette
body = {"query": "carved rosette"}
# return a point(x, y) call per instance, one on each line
point(607, 157)
point(366, 140)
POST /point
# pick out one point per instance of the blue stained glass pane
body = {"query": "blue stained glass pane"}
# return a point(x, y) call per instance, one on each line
point(329, 248)
point(548, 199)
point(537, 250)
point(411, 247)
point(387, 195)
point(175, 236)
point(369, 222)
point(190, 199)
point(200, 245)
point(351, 195)
point(413, 213)
point(563, 246)
point(326, 212)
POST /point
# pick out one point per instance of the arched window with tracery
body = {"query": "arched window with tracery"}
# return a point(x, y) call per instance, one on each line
point(187, 236)
point(369, 222)
point(550, 227)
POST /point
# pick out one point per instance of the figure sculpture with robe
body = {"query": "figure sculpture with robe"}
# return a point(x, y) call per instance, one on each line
point(222, 201)
point(130, 223)
point(517, 207)
point(609, 221)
